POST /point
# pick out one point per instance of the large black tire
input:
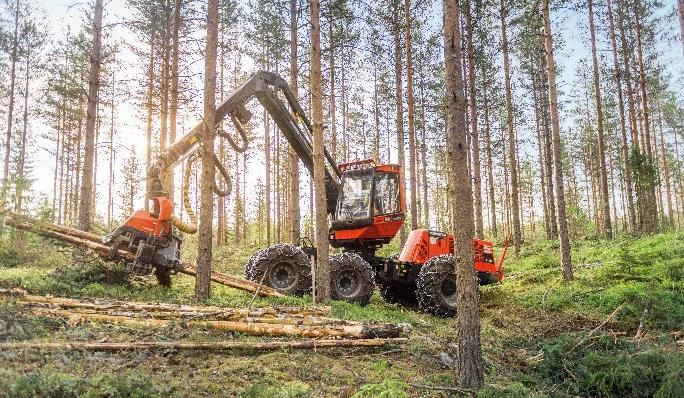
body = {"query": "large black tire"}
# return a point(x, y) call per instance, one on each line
point(436, 286)
point(285, 268)
point(398, 293)
point(352, 279)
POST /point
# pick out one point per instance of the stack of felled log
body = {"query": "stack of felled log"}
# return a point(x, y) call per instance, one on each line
point(312, 323)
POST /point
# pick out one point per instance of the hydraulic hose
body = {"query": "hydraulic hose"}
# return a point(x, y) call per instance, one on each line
point(191, 227)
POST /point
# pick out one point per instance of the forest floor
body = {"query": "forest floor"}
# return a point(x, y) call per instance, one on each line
point(535, 332)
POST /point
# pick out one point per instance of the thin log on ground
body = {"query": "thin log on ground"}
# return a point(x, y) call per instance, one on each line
point(104, 305)
point(609, 319)
point(386, 330)
point(49, 231)
point(202, 346)
point(191, 316)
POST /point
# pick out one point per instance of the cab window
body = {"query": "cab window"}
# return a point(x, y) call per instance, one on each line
point(386, 199)
point(355, 200)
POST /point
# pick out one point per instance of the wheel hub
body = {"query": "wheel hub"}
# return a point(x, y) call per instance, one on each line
point(348, 283)
point(448, 290)
point(282, 276)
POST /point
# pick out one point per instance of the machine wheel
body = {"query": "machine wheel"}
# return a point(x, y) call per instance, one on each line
point(397, 293)
point(352, 278)
point(163, 276)
point(436, 286)
point(283, 267)
point(249, 266)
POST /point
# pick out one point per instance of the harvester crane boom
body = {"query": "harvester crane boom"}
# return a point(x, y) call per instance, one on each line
point(288, 116)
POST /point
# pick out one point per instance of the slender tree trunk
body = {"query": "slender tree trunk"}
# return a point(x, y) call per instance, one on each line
point(322, 268)
point(204, 254)
point(490, 163)
point(293, 160)
point(413, 175)
point(333, 102)
point(21, 178)
point(423, 153)
point(173, 109)
point(164, 106)
point(631, 215)
point(376, 116)
point(150, 92)
point(666, 172)
point(566, 261)
point(110, 184)
point(477, 182)
point(267, 154)
point(650, 221)
point(399, 102)
point(603, 172)
point(10, 108)
point(85, 215)
point(515, 194)
point(470, 364)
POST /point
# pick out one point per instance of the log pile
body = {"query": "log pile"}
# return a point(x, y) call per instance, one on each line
point(310, 322)
point(93, 242)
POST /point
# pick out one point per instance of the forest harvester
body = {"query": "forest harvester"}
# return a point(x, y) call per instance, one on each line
point(366, 202)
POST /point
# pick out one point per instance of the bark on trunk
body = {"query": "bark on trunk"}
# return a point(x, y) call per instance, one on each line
point(475, 162)
point(204, 254)
point(470, 365)
point(411, 117)
point(490, 163)
point(10, 108)
point(566, 261)
point(85, 215)
point(322, 267)
point(631, 215)
point(605, 198)
point(399, 101)
point(512, 155)
point(293, 159)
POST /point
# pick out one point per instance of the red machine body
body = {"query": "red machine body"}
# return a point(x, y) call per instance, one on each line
point(155, 223)
point(423, 244)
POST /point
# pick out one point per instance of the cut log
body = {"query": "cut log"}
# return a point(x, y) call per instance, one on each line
point(203, 346)
point(366, 330)
point(85, 240)
point(104, 305)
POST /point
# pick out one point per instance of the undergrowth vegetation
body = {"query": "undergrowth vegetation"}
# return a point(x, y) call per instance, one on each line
point(540, 335)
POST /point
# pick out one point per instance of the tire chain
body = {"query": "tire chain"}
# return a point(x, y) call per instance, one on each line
point(429, 286)
point(340, 261)
point(258, 264)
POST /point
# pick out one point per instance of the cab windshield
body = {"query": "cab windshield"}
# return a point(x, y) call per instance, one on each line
point(355, 199)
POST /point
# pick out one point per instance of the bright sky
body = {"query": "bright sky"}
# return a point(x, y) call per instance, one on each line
point(130, 122)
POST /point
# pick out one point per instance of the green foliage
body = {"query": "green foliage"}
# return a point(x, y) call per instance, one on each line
point(388, 388)
point(513, 390)
point(610, 368)
point(293, 389)
point(61, 385)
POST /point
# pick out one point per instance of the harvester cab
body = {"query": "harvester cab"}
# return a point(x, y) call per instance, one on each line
point(370, 208)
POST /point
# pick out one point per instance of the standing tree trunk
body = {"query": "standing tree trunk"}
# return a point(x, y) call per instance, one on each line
point(603, 173)
point(515, 192)
point(411, 117)
point(399, 101)
point(20, 184)
point(470, 366)
point(322, 267)
point(173, 110)
point(650, 217)
point(10, 108)
point(490, 163)
point(86, 208)
point(477, 182)
point(566, 260)
point(203, 279)
point(631, 215)
point(267, 156)
point(150, 92)
point(293, 159)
